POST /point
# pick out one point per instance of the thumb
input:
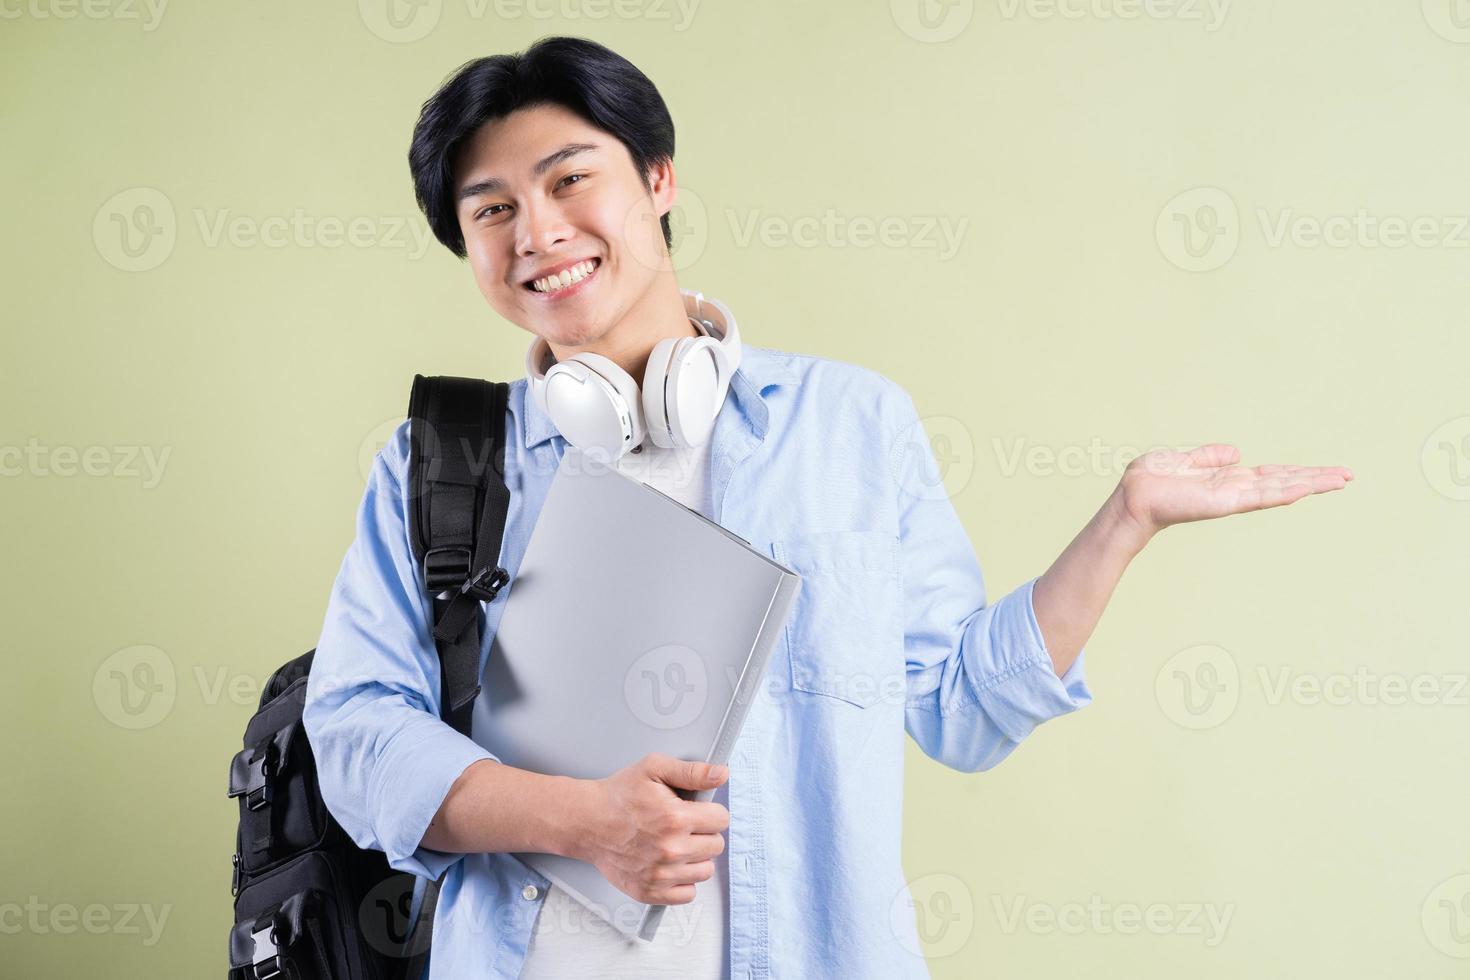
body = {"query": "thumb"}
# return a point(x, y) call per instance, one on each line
point(688, 775)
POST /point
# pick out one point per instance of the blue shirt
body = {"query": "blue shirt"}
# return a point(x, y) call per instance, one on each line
point(825, 466)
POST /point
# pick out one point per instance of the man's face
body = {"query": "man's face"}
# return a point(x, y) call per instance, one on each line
point(559, 191)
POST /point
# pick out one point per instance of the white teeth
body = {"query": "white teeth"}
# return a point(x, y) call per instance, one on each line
point(576, 273)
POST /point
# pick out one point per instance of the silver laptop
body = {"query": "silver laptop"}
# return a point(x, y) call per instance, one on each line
point(633, 625)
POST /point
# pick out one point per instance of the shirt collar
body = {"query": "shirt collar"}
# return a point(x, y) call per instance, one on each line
point(759, 369)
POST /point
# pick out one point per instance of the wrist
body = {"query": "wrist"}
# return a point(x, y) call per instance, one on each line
point(576, 806)
point(1121, 529)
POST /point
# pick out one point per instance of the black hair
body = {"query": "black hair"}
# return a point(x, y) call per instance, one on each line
point(596, 83)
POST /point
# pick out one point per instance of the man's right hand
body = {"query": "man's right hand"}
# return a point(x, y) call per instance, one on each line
point(648, 841)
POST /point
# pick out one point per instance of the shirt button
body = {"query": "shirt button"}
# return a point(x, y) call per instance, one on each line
point(530, 892)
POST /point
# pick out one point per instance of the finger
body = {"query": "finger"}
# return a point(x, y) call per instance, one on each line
point(673, 895)
point(1262, 497)
point(683, 774)
point(680, 848)
point(1267, 495)
point(1274, 469)
point(1214, 454)
point(702, 847)
point(706, 817)
point(1315, 482)
point(687, 873)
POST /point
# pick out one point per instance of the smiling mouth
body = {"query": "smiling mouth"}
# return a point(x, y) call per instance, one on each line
point(566, 280)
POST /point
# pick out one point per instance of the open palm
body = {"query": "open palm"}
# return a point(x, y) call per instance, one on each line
point(1164, 487)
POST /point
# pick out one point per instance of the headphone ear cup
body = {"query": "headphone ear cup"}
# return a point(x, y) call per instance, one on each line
point(594, 404)
point(694, 391)
point(655, 387)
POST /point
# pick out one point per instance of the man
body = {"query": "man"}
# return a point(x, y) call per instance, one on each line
point(551, 172)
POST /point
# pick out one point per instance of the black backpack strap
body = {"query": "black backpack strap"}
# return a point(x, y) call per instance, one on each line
point(457, 484)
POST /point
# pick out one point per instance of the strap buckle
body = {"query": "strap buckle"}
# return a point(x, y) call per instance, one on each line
point(485, 584)
point(260, 797)
point(446, 567)
point(267, 964)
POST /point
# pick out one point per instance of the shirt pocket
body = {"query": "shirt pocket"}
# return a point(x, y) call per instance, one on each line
point(844, 637)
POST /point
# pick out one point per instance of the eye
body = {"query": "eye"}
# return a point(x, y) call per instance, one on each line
point(486, 211)
point(568, 177)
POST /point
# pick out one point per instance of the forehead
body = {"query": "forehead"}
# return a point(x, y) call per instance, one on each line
point(508, 148)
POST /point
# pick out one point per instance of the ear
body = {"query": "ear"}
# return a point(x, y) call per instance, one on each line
point(662, 186)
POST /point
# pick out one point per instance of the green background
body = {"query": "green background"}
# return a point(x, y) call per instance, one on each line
point(1072, 316)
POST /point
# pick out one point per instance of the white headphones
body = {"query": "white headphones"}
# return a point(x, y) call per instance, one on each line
point(596, 405)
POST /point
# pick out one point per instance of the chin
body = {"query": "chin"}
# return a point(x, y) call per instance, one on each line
point(574, 337)
point(569, 330)
point(557, 331)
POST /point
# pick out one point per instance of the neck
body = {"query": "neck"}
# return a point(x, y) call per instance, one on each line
point(657, 315)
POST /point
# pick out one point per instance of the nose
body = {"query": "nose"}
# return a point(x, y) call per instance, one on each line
point(540, 226)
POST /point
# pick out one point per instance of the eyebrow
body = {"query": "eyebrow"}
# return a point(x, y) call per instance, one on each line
point(492, 184)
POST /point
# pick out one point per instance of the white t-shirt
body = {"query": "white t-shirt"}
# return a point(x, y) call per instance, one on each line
point(570, 942)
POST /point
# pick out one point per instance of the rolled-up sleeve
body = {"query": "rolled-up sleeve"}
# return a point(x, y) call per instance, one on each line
point(385, 760)
point(979, 677)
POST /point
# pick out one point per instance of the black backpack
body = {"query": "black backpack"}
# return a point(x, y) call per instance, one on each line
point(309, 903)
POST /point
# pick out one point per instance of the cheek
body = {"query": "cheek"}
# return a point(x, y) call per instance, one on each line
point(488, 267)
point(631, 228)
point(620, 217)
point(645, 238)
